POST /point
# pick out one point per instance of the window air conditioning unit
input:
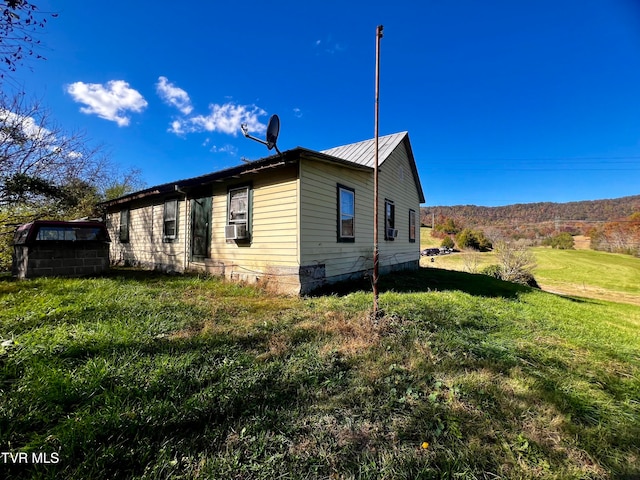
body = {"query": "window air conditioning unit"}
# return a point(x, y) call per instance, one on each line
point(392, 232)
point(236, 231)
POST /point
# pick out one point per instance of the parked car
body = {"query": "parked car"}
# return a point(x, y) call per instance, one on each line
point(430, 252)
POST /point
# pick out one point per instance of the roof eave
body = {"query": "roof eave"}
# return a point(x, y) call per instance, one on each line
point(273, 161)
point(414, 168)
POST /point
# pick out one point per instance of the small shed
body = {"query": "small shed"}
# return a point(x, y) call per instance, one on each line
point(56, 248)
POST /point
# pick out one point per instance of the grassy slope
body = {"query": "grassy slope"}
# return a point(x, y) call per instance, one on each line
point(585, 273)
point(612, 275)
point(156, 377)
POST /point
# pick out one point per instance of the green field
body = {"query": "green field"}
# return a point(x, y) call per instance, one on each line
point(140, 375)
point(585, 273)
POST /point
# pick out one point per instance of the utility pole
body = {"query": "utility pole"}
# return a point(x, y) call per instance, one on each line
point(376, 273)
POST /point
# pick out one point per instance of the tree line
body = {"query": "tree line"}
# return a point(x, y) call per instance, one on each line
point(46, 171)
point(618, 236)
point(590, 211)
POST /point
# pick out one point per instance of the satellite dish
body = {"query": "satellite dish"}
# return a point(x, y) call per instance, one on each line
point(273, 129)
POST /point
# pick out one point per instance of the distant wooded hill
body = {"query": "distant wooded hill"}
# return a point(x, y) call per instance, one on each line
point(586, 211)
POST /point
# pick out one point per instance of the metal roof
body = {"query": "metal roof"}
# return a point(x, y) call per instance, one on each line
point(363, 152)
point(358, 155)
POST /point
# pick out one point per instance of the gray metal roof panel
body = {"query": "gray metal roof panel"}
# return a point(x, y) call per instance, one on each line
point(362, 153)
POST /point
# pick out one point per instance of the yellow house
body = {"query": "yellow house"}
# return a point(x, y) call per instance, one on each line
point(298, 220)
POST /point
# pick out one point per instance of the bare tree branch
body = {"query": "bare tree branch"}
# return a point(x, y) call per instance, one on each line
point(20, 22)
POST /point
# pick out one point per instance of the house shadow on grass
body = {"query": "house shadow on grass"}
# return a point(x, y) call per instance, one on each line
point(428, 280)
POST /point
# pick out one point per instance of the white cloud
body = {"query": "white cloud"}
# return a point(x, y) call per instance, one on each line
point(230, 149)
point(29, 129)
point(111, 101)
point(174, 96)
point(177, 127)
point(225, 118)
point(26, 125)
point(329, 46)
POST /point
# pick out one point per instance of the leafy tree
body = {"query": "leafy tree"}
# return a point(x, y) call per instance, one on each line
point(40, 164)
point(444, 226)
point(447, 242)
point(128, 182)
point(48, 173)
point(19, 21)
point(562, 241)
point(473, 239)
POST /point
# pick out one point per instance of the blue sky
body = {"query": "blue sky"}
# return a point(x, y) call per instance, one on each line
point(505, 101)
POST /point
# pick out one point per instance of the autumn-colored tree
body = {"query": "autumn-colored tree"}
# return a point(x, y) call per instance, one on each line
point(622, 236)
point(445, 226)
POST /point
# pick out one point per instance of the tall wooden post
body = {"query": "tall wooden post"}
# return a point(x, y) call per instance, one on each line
point(376, 273)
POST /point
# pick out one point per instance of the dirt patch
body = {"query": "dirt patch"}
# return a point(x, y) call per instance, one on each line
point(580, 242)
point(587, 291)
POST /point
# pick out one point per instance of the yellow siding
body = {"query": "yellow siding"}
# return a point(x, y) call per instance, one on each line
point(318, 204)
point(294, 223)
point(397, 184)
point(274, 227)
point(318, 222)
point(146, 246)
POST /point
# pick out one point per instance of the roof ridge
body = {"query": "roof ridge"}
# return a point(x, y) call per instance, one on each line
point(367, 140)
point(362, 152)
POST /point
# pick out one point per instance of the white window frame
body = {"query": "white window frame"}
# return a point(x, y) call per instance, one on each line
point(123, 229)
point(389, 218)
point(166, 217)
point(234, 209)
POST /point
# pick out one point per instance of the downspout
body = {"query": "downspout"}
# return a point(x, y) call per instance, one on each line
point(177, 189)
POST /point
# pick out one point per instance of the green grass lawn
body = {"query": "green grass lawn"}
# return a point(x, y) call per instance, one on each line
point(588, 272)
point(585, 273)
point(140, 375)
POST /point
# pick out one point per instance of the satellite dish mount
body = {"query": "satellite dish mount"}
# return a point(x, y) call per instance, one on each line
point(273, 129)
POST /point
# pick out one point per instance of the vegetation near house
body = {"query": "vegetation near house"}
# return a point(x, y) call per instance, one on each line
point(47, 172)
point(141, 375)
point(516, 263)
